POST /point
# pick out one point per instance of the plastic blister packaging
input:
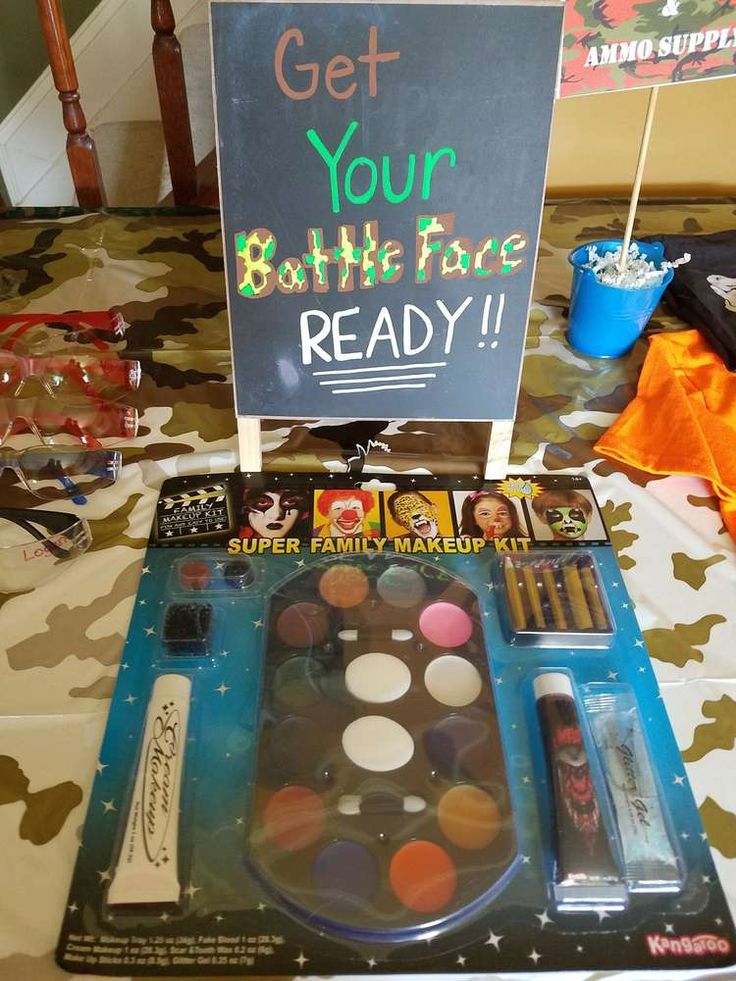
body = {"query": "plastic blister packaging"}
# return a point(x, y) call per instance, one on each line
point(651, 862)
point(553, 599)
point(211, 573)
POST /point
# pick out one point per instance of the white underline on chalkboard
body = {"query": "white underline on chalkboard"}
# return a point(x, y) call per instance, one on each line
point(375, 388)
point(388, 367)
point(366, 381)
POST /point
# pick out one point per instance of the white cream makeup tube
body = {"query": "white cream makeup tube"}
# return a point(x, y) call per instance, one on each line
point(148, 869)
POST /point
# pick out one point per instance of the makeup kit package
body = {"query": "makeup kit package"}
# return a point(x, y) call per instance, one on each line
point(366, 727)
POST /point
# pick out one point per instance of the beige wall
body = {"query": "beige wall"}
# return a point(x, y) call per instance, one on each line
point(595, 141)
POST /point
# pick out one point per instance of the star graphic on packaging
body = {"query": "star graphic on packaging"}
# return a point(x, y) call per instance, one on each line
point(104, 875)
point(489, 587)
point(300, 564)
point(301, 960)
point(109, 805)
point(169, 534)
point(499, 680)
point(100, 766)
point(639, 643)
point(261, 907)
point(534, 956)
point(526, 779)
point(642, 669)
point(257, 624)
point(124, 666)
point(191, 889)
point(526, 859)
point(684, 835)
point(149, 631)
point(494, 940)
point(141, 602)
point(669, 928)
point(219, 918)
point(371, 962)
point(224, 653)
point(602, 915)
point(164, 917)
point(679, 780)
point(543, 919)
point(72, 907)
point(615, 584)
point(222, 688)
point(612, 675)
point(706, 880)
point(240, 820)
point(579, 949)
point(145, 570)
point(130, 699)
point(194, 529)
point(461, 960)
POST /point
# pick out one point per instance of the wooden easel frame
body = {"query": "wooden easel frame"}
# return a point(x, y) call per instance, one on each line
point(497, 457)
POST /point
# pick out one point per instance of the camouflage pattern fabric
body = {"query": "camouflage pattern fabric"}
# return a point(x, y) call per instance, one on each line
point(623, 44)
point(62, 643)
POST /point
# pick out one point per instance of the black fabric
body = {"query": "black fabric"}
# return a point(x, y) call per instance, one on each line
point(703, 292)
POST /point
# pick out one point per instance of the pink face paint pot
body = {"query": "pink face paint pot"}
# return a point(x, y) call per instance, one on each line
point(445, 624)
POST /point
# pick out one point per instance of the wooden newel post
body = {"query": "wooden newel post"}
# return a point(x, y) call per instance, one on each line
point(172, 96)
point(80, 147)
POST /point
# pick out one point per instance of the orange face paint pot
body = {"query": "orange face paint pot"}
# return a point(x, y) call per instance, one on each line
point(468, 817)
point(293, 818)
point(423, 876)
point(343, 586)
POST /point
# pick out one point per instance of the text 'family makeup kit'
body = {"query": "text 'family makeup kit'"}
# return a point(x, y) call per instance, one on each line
point(392, 729)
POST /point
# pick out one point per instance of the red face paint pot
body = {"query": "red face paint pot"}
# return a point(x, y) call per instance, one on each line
point(303, 625)
point(423, 876)
point(195, 574)
point(293, 818)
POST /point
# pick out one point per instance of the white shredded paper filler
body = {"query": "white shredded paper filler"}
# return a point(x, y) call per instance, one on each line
point(639, 272)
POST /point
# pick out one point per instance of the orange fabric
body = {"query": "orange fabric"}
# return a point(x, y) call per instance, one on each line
point(683, 419)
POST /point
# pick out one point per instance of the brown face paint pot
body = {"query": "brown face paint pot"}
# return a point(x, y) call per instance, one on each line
point(303, 625)
point(343, 586)
point(468, 817)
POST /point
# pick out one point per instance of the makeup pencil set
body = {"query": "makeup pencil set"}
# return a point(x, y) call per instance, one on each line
point(338, 754)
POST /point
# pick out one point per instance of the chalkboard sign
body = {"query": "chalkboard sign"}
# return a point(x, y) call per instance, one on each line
point(382, 171)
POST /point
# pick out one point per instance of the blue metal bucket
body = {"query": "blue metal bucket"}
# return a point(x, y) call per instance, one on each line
point(606, 321)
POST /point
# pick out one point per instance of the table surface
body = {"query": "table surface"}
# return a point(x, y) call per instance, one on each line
point(62, 643)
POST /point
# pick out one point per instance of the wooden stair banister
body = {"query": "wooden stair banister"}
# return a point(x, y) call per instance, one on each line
point(172, 95)
point(80, 148)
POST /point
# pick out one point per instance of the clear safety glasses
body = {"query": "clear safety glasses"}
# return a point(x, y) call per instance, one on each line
point(62, 376)
point(35, 545)
point(52, 472)
point(86, 422)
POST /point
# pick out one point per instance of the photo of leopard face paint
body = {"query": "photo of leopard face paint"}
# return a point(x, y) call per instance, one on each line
point(566, 512)
point(416, 513)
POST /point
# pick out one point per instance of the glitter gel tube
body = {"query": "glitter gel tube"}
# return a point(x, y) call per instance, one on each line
point(586, 875)
point(650, 862)
point(147, 870)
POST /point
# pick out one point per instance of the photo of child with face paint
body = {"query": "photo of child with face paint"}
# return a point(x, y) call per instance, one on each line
point(490, 514)
point(418, 516)
point(348, 514)
point(276, 513)
point(567, 513)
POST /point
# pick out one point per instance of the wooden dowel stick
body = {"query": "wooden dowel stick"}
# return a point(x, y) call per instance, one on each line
point(643, 150)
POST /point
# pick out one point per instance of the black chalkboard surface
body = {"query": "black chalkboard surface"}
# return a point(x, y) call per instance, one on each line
point(382, 172)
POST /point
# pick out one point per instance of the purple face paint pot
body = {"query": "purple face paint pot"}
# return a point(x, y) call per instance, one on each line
point(445, 624)
point(345, 872)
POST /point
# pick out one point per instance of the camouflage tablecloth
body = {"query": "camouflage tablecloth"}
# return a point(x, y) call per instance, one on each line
point(61, 644)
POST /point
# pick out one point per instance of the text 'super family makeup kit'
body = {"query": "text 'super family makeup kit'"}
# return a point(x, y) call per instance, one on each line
point(364, 730)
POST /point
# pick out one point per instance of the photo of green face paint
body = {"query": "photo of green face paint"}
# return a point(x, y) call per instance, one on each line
point(566, 513)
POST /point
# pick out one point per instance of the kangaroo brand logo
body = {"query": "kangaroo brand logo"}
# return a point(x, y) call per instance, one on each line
point(159, 781)
point(687, 946)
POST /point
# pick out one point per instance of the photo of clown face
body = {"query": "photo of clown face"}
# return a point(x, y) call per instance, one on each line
point(415, 512)
point(346, 512)
point(272, 513)
point(566, 513)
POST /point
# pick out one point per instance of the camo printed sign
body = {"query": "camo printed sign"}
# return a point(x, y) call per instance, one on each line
point(381, 188)
point(622, 44)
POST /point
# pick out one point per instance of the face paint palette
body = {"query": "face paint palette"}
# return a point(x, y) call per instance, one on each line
point(381, 804)
point(387, 752)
